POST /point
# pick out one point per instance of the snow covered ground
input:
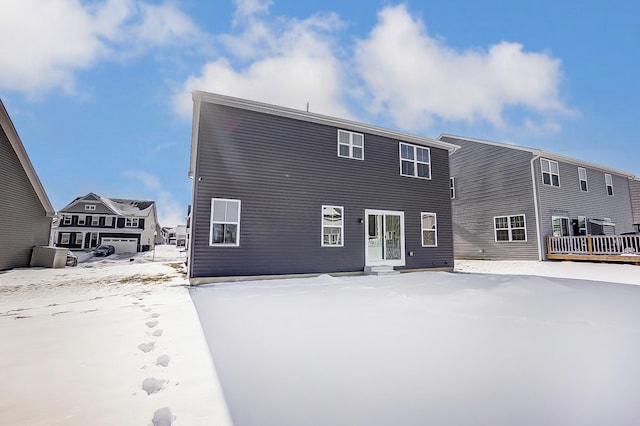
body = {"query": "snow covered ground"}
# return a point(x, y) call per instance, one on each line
point(119, 342)
point(431, 348)
point(110, 342)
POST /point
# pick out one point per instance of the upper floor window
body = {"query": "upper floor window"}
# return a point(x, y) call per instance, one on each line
point(95, 220)
point(429, 230)
point(225, 222)
point(108, 221)
point(550, 172)
point(89, 206)
point(510, 228)
point(452, 187)
point(81, 219)
point(350, 145)
point(66, 220)
point(332, 226)
point(131, 222)
point(608, 180)
point(582, 175)
point(415, 161)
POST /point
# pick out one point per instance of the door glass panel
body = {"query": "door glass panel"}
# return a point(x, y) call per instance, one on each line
point(392, 237)
point(374, 238)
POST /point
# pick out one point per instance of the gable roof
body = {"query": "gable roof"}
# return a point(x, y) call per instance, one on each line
point(7, 127)
point(119, 206)
point(544, 154)
point(213, 98)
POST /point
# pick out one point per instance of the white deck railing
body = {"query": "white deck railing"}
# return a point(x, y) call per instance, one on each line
point(594, 245)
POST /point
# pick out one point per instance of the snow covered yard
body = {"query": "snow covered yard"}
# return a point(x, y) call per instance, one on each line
point(110, 342)
point(430, 348)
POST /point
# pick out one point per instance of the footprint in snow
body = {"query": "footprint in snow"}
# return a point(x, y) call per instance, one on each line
point(163, 360)
point(152, 385)
point(158, 332)
point(155, 315)
point(146, 347)
point(163, 417)
point(151, 324)
point(146, 309)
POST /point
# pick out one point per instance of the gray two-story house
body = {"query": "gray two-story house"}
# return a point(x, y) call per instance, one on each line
point(506, 199)
point(634, 186)
point(25, 210)
point(128, 225)
point(283, 191)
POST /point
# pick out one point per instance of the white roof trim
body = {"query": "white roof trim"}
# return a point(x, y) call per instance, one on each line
point(18, 147)
point(213, 98)
point(544, 154)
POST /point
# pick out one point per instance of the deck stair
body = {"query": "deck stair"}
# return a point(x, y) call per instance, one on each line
point(380, 270)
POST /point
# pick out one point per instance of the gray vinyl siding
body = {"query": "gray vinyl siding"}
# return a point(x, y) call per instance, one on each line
point(23, 219)
point(568, 200)
point(491, 181)
point(634, 188)
point(283, 170)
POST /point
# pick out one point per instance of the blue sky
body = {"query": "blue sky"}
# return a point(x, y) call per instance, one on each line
point(99, 91)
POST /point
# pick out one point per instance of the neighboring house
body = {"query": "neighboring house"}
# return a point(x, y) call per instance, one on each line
point(25, 210)
point(128, 225)
point(169, 235)
point(181, 235)
point(506, 199)
point(283, 191)
point(634, 186)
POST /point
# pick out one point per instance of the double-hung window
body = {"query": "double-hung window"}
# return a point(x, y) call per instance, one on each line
point(108, 221)
point(64, 237)
point(67, 220)
point(79, 239)
point(81, 219)
point(510, 228)
point(550, 172)
point(429, 230)
point(225, 222)
point(332, 226)
point(131, 222)
point(608, 180)
point(582, 225)
point(415, 161)
point(95, 220)
point(350, 145)
point(582, 175)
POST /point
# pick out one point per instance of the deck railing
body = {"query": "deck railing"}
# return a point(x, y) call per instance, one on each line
point(594, 245)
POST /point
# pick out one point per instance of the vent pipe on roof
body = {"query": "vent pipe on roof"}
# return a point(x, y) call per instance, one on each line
point(307, 106)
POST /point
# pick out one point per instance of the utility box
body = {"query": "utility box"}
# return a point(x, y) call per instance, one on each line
point(49, 257)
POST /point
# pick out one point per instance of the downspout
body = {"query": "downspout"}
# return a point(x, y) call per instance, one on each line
point(535, 204)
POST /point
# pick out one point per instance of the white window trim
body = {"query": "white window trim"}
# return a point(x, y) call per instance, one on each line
point(415, 160)
point(90, 207)
point(452, 187)
point(66, 219)
point(95, 220)
point(110, 219)
point(211, 223)
point(510, 229)
point(350, 145)
point(322, 226)
point(81, 241)
point(608, 183)
point(131, 222)
point(82, 219)
point(551, 174)
point(65, 236)
point(586, 226)
point(581, 180)
point(435, 230)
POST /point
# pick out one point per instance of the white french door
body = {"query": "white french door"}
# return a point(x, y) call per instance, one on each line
point(384, 238)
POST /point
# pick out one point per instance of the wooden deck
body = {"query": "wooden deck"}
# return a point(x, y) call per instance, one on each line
point(599, 248)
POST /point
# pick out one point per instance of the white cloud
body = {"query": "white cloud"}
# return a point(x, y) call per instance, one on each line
point(415, 78)
point(47, 42)
point(246, 9)
point(147, 179)
point(170, 211)
point(288, 62)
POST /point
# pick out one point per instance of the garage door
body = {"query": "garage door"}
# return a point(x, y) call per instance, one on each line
point(122, 245)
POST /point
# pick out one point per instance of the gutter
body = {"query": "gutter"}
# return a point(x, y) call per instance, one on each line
point(536, 155)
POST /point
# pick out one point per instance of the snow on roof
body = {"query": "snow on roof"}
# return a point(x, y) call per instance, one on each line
point(139, 208)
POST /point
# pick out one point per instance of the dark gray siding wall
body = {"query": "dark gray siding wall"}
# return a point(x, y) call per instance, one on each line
point(283, 171)
point(569, 201)
point(491, 181)
point(23, 220)
point(634, 188)
point(80, 209)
